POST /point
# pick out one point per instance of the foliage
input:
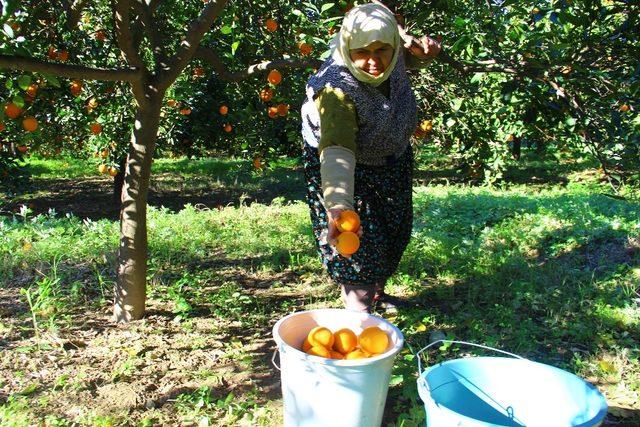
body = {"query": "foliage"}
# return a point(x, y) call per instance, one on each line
point(555, 76)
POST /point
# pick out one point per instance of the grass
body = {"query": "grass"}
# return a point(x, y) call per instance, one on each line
point(549, 272)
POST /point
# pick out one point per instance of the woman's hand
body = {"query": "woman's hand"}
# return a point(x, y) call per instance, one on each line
point(424, 48)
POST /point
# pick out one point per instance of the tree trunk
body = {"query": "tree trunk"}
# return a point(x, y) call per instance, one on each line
point(130, 291)
point(118, 182)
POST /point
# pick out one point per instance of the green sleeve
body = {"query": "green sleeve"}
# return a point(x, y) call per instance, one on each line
point(338, 119)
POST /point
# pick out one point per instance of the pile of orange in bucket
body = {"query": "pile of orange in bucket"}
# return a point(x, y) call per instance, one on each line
point(345, 344)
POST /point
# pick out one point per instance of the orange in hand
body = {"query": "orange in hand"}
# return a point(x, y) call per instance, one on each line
point(348, 221)
point(348, 243)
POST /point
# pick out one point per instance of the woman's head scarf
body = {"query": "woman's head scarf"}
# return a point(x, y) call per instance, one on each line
point(362, 26)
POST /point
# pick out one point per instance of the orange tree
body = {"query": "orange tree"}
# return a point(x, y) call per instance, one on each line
point(143, 46)
point(558, 74)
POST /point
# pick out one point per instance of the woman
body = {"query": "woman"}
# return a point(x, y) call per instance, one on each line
point(358, 117)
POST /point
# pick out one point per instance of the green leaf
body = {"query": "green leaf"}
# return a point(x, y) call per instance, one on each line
point(459, 43)
point(297, 12)
point(8, 30)
point(570, 121)
point(457, 103)
point(234, 47)
point(225, 30)
point(477, 77)
point(19, 101)
point(326, 7)
point(24, 82)
point(52, 80)
point(460, 22)
point(396, 379)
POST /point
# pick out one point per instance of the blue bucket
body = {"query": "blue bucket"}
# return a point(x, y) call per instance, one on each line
point(504, 391)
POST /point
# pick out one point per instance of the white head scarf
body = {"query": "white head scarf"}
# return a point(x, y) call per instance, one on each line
point(362, 26)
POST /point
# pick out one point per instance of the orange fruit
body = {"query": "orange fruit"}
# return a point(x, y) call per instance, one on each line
point(172, 102)
point(305, 49)
point(228, 128)
point(2, 127)
point(113, 171)
point(198, 71)
point(185, 111)
point(320, 336)
point(102, 168)
point(356, 354)
point(306, 345)
point(12, 110)
point(274, 77)
point(32, 90)
point(76, 87)
point(23, 148)
point(100, 35)
point(224, 110)
point(63, 55)
point(318, 350)
point(344, 341)
point(266, 94)
point(271, 25)
point(52, 54)
point(336, 355)
point(104, 154)
point(426, 125)
point(373, 340)
point(283, 109)
point(348, 243)
point(624, 108)
point(257, 163)
point(93, 103)
point(30, 124)
point(96, 128)
point(348, 221)
point(273, 112)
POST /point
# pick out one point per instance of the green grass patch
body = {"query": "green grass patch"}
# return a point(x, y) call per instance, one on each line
point(551, 274)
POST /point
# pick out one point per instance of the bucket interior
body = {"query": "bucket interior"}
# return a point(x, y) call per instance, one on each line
point(293, 329)
point(509, 392)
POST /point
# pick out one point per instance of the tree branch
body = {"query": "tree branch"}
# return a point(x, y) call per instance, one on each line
point(73, 12)
point(124, 36)
point(145, 12)
point(208, 55)
point(68, 70)
point(190, 44)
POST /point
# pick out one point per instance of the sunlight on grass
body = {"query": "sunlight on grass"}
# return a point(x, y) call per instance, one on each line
point(550, 274)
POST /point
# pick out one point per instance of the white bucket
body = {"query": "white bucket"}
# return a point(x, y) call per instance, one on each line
point(327, 392)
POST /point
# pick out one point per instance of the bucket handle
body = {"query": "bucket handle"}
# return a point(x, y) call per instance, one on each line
point(461, 342)
point(273, 359)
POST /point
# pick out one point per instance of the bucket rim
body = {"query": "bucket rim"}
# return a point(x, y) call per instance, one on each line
point(337, 362)
point(423, 388)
